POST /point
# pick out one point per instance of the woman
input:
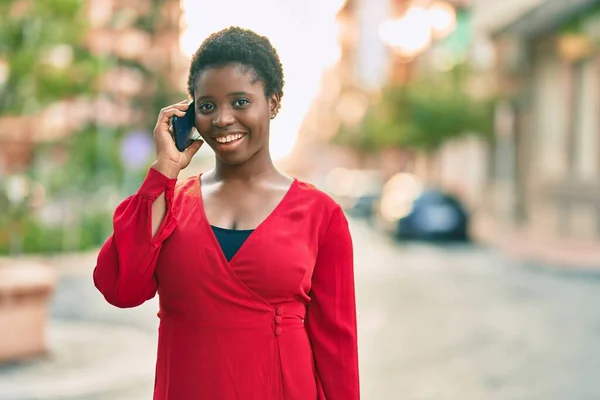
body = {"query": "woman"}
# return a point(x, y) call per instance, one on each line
point(253, 269)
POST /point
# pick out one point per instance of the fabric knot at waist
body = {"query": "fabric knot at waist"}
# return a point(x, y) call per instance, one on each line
point(288, 315)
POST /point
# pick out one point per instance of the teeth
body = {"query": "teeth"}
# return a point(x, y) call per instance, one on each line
point(230, 138)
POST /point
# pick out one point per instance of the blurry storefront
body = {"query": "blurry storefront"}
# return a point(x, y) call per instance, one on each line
point(546, 165)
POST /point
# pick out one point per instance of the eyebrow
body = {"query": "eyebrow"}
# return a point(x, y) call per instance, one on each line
point(228, 95)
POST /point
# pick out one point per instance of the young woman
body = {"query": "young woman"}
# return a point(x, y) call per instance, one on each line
point(254, 269)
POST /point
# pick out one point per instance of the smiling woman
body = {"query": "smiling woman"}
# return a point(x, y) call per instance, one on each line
point(253, 268)
point(236, 81)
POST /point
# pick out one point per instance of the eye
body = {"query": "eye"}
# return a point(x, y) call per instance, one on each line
point(241, 103)
point(206, 107)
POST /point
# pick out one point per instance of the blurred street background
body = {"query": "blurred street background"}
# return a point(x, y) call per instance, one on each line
point(462, 138)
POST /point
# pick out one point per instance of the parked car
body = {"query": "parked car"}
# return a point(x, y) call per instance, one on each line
point(409, 210)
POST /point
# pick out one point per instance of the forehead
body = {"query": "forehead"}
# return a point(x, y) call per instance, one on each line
point(228, 78)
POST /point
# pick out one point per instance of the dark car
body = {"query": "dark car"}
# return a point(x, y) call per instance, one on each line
point(434, 215)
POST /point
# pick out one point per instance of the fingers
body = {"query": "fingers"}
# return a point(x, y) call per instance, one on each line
point(182, 105)
point(194, 147)
point(164, 120)
point(174, 108)
point(168, 113)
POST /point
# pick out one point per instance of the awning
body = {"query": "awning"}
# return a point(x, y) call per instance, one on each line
point(545, 18)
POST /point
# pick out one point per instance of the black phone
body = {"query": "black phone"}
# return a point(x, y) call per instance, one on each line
point(183, 128)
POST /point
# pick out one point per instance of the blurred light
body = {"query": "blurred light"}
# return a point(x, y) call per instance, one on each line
point(3, 71)
point(133, 44)
point(38, 195)
point(17, 188)
point(483, 54)
point(136, 150)
point(442, 18)
point(124, 81)
point(340, 182)
point(410, 34)
point(398, 195)
point(50, 214)
point(60, 56)
point(443, 60)
point(286, 24)
point(406, 185)
point(352, 108)
point(99, 12)
point(353, 183)
point(393, 209)
point(574, 47)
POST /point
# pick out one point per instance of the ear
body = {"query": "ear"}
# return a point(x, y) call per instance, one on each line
point(274, 104)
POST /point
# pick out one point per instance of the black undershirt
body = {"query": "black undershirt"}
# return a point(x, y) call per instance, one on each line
point(230, 240)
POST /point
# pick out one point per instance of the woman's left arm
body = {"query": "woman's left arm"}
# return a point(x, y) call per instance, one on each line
point(331, 315)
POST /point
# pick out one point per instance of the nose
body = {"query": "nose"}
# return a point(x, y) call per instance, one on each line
point(223, 118)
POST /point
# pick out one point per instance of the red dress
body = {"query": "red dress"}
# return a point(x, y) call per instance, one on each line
point(277, 322)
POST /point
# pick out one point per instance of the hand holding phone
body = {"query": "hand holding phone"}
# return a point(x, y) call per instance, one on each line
point(183, 128)
point(172, 158)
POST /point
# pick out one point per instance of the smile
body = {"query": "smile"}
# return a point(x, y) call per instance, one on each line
point(230, 138)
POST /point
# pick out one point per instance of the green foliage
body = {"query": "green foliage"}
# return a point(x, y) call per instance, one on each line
point(89, 159)
point(37, 237)
point(42, 44)
point(421, 115)
point(577, 24)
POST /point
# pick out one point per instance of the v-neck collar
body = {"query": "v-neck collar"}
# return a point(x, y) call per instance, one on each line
point(214, 240)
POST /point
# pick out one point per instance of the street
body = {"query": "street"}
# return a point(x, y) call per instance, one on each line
point(443, 323)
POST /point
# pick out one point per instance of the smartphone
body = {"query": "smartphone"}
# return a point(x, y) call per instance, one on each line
point(183, 128)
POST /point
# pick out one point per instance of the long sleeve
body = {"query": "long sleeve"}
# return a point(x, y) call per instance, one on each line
point(331, 315)
point(125, 268)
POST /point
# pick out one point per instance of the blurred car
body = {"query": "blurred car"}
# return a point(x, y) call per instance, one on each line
point(408, 210)
point(356, 190)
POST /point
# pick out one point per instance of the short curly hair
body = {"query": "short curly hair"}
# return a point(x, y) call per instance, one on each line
point(237, 45)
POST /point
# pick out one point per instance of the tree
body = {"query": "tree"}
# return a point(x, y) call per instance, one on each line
point(421, 115)
point(48, 54)
point(43, 54)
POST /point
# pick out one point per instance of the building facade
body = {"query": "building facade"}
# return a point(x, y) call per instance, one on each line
point(547, 155)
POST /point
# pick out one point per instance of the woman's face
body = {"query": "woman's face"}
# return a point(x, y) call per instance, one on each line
point(232, 112)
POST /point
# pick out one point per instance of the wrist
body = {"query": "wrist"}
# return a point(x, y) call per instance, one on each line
point(168, 168)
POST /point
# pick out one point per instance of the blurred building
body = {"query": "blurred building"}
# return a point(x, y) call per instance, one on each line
point(547, 155)
point(363, 67)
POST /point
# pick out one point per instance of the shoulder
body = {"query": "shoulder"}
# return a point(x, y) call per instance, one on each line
point(330, 219)
point(317, 197)
point(321, 206)
point(187, 187)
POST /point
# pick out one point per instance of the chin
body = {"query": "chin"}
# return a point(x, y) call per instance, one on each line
point(233, 159)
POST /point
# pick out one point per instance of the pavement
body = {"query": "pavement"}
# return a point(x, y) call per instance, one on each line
point(539, 246)
point(435, 322)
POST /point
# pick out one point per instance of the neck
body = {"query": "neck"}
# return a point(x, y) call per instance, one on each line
point(259, 165)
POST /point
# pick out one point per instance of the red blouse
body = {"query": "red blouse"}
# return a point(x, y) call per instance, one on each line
point(277, 322)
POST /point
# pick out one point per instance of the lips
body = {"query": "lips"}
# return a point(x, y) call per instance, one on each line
point(229, 142)
point(229, 138)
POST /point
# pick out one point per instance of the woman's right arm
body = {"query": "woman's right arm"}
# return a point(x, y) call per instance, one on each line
point(124, 273)
point(126, 264)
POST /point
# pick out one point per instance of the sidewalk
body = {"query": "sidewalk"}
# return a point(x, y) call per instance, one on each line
point(545, 249)
point(87, 359)
point(97, 352)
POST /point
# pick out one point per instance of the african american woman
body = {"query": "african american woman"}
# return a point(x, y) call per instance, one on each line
point(253, 268)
